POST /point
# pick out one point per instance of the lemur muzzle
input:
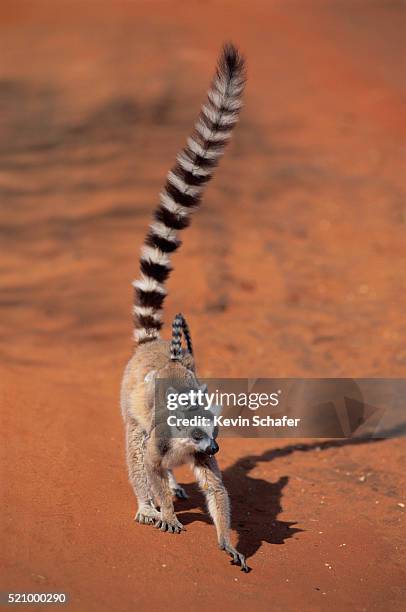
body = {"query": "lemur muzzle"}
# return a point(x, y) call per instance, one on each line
point(213, 448)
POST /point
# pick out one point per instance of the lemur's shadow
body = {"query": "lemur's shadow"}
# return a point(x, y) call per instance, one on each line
point(256, 521)
point(256, 503)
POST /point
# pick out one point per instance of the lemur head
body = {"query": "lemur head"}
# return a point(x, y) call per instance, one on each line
point(192, 423)
point(180, 400)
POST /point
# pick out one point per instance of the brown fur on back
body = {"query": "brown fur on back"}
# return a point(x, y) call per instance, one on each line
point(136, 394)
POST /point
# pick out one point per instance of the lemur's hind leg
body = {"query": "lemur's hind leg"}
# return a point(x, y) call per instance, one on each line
point(158, 477)
point(175, 487)
point(136, 440)
point(209, 478)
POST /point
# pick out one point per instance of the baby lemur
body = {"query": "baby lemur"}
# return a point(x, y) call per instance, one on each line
point(151, 450)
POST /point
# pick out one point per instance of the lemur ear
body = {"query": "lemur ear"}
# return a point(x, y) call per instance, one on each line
point(216, 410)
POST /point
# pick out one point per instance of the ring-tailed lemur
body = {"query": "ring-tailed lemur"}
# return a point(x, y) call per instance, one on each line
point(151, 451)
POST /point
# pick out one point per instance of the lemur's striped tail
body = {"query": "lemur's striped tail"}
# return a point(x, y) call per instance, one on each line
point(183, 190)
point(179, 327)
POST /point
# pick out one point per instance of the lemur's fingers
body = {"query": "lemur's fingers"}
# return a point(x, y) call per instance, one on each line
point(146, 516)
point(238, 558)
point(139, 518)
point(172, 526)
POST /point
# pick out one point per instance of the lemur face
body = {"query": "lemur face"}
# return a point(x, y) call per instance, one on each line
point(195, 427)
point(193, 440)
point(190, 418)
point(205, 439)
point(184, 409)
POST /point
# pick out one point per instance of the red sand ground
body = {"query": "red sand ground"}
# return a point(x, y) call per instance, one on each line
point(294, 266)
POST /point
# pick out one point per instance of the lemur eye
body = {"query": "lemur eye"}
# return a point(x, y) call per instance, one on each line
point(197, 434)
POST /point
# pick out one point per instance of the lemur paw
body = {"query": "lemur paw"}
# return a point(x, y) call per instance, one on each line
point(179, 492)
point(147, 515)
point(238, 558)
point(171, 526)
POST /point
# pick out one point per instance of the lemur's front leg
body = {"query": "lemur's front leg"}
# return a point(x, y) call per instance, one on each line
point(158, 477)
point(136, 442)
point(209, 478)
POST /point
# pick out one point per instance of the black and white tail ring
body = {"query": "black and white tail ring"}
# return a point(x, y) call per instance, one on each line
point(183, 189)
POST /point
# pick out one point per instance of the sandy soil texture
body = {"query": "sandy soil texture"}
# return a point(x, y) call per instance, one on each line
point(294, 266)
